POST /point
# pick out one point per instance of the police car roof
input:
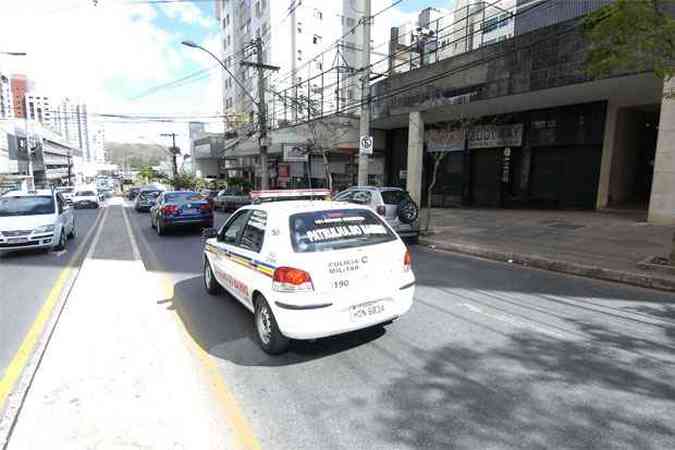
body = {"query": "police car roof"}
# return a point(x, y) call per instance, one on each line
point(37, 192)
point(299, 206)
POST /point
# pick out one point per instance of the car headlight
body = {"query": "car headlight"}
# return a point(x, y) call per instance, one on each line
point(44, 229)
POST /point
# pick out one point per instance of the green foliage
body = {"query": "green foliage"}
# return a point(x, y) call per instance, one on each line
point(631, 35)
point(146, 174)
point(185, 181)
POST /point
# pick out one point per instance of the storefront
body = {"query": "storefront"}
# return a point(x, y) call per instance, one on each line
point(543, 158)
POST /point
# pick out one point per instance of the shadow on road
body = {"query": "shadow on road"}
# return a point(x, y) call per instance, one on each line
point(606, 390)
point(224, 328)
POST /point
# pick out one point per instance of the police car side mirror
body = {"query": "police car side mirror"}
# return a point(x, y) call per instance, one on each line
point(209, 233)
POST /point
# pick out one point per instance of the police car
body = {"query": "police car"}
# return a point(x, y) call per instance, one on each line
point(309, 269)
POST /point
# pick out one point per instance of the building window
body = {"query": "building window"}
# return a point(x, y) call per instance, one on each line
point(319, 65)
point(299, 27)
point(316, 39)
point(495, 22)
point(350, 22)
point(258, 9)
point(318, 14)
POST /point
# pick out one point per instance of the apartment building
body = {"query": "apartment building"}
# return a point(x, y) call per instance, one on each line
point(38, 107)
point(6, 103)
point(71, 120)
point(19, 86)
point(304, 38)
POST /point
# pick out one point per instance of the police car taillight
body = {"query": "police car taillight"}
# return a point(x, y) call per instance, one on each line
point(407, 261)
point(288, 279)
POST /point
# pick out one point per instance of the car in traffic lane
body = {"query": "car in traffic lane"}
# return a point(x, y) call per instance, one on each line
point(392, 203)
point(310, 269)
point(86, 198)
point(230, 199)
point(146, 199)
point(179, 209)
point(35, 219)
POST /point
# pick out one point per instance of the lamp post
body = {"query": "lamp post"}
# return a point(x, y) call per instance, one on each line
point(260, 104)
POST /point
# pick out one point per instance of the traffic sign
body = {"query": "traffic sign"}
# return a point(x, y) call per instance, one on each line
point(366, 145)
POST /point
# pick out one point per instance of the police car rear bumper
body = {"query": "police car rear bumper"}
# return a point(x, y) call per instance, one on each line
point(323, 320)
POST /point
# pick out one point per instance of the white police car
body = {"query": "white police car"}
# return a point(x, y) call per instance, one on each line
point(309, 269)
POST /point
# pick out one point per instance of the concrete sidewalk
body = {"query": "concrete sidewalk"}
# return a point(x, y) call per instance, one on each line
point(118, 371)
point(605, 245)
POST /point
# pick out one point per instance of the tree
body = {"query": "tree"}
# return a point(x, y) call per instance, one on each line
point(324, 136)
point(146, 174)
point(633, 35)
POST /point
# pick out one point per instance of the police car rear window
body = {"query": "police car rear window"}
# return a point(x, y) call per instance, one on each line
point(337, 229)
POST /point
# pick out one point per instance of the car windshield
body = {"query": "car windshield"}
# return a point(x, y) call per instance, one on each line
point(183, 197)
point(85, 194)
point(336, 229)
point(394, 197)
point(26, 206)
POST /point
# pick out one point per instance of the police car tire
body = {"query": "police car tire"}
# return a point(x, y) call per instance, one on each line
point(210, 283)
point(278, 343)
point(73, 232)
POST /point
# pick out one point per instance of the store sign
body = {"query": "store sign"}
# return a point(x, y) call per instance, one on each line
point(489, 136)
point(444, 140)
point(295, 152)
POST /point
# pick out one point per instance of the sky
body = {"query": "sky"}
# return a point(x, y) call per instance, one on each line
point(118, 56)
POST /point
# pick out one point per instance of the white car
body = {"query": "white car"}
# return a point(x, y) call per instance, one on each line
point(85, 198)
point(35, 219)
point(310, 269)
point(67, 193)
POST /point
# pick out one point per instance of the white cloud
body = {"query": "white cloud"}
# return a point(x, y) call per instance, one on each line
point(187, 13)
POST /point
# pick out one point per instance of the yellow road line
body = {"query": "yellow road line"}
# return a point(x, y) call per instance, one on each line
point(25, 351)
point(244, 436)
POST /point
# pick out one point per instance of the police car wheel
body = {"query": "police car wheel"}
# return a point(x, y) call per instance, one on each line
point(62, 241)
point(210, 282)
point(269, 337)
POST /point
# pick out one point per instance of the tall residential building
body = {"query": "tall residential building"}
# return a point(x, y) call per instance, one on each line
point(478, 23)
point(19, 87)
point(70, 119)
point(38, 108)
point(6, 102)
point(97, 145)
point(305, 38)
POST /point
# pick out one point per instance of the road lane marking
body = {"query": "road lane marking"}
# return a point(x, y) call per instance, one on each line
point(243, 431)
point(22, 356)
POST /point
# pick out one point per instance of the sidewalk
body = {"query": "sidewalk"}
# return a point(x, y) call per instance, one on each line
point(117, 372)
point(604, 245)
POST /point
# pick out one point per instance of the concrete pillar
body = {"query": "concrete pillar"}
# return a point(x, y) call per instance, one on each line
point(608, 143)
point(415, 156)
point(662, 199)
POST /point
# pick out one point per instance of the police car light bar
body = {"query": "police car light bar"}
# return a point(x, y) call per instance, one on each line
point(284, 193)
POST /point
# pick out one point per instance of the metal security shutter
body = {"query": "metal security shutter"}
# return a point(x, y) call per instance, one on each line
point(485, 177)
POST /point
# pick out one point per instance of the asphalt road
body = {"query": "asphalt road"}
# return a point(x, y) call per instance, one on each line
point(490, 356)
point(26, 278)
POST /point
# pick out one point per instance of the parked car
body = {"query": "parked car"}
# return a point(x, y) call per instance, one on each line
point(231, 199)
point(132, 193)
point(86, 198)
point(146, 199)
point(392, 203)
point(180, 208)
point(35, 219)
point(310, 269)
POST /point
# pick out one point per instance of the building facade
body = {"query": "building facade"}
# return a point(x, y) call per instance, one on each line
point(19, 87)
point(71, 120)
point(521, 124)
point(6, 101)
point(38, 107)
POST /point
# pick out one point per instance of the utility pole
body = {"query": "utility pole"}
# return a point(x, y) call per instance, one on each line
point(174, 151)
point(262, 109)
point(364, 123)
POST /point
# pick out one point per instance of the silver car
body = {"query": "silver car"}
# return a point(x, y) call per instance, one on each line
point(392, 203)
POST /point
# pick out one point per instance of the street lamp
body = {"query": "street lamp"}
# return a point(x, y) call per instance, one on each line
point(260, 104)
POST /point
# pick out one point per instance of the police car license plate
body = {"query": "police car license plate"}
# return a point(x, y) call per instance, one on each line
point(366, 310)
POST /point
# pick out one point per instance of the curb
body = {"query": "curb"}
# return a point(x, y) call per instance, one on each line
point(553, 265)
